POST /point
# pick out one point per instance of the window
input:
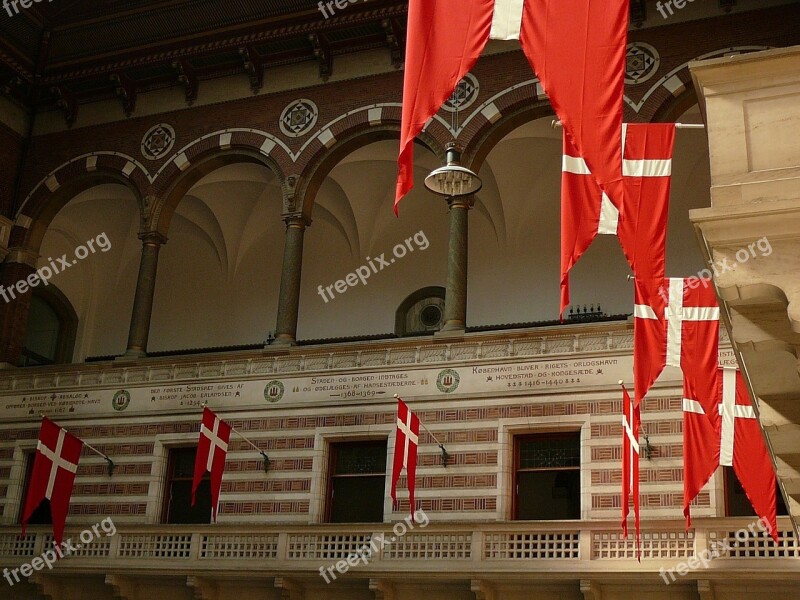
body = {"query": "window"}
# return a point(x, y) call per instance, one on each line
point(41, 516)
point(357, 485)
point(736, 501)
point(51, 329)
point(422, 312)
point(178, 507)
point(547, 471)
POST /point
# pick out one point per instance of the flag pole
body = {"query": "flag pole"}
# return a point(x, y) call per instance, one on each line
point(90, 447)
point(556, 123)
point(445, 454)
point(250, 443)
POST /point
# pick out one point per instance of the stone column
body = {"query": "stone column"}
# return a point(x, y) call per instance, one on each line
point(289, 302)
point(16, 282)
point(455, 309)
point(145, 290)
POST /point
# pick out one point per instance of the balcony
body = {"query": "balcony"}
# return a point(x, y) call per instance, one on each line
point(459, 551)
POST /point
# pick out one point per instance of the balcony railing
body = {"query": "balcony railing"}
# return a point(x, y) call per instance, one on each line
point(464, 547)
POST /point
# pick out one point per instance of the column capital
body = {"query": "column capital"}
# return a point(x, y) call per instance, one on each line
point(296, 220)
point(152, 238)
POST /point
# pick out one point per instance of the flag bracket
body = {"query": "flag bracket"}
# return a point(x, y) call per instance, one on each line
point(445, 455)
point(266, 461)
point(647, 449)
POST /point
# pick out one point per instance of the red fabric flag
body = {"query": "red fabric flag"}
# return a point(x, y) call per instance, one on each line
point(631, 423)
point(640, 224)
point(676, 324)
point(577, 48)
point(54, 468)
point(406, 446)
point(742, 446)
point(211, 452)
point(700, 447)
point(728, 435)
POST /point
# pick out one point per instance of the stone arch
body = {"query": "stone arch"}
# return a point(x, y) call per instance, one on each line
point(500, 115)
point(360, 128)
point(198, 160)
point(53, 192)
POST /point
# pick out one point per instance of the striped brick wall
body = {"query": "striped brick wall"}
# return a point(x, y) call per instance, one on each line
point(470, 488)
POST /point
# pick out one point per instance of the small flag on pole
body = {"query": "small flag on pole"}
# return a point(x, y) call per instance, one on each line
point(631, 423)
point(211, 452)
point(406, 446)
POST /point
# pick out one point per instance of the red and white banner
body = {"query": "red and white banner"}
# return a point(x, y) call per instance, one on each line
point(640, 224)
point(406, 447)
point(676, 324)
point(53, 476)
point(631, 424)
point(577, 48)
point(729, 435)
point(215, 434)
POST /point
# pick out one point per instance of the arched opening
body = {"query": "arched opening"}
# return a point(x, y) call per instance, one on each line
point(92, 248)
point(51, 330)
point(219, 273)
point(360, 261)
point(421, 313)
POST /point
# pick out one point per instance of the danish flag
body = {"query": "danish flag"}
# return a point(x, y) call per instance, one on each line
point(727, 433)
point(211, 452)
point(631, 423)
point(406, 446)
point(676, 323)
point(640, 223)
point(54, 468)
point(577, 48)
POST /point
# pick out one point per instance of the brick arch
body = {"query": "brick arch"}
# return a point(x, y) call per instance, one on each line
point(55, 190)
point(500, 115)
point(203, 156)
point(362, 130)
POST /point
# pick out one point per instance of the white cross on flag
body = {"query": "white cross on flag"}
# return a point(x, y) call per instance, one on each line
point(53, 476)
point(676, 323)
point(631, 423)
point(211, 452)
point(640, 223)
point(728, 434)
point(406, 445)
point(577, 48)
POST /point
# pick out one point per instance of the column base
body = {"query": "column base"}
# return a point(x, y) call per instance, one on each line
point(283, 340)
point(451, 330)
point(131, 355)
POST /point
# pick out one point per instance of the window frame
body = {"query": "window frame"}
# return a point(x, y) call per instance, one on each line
point(169, 478)
point(333, 452)
point(518, 439)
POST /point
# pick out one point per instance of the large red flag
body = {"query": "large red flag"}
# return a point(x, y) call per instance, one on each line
point(211, 452)
point(700, 447)
point(742, 447)
point(54, 468)
point(631, 423)
point(728, 434)
point(640, 224)
point(406, 445)
point(577, 48)
point(676, 324)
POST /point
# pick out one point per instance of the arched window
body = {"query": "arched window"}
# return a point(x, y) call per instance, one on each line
point(421, 312)
point(52, 325)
